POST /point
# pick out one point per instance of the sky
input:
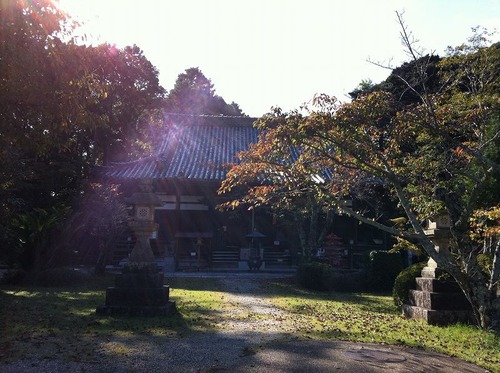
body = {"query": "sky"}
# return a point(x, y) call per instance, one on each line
point(280, 53)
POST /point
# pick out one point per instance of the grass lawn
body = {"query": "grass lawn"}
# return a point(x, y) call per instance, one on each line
point(374, 318)
point(48, 322)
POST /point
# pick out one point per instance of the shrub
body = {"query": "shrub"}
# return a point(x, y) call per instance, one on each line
point(382, 270)
point(404, 282)
point(323, 277)
point(348, 282)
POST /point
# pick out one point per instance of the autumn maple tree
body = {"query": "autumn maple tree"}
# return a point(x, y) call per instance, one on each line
point(436, 154)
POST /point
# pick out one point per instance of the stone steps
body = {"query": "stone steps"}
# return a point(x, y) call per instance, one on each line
point(438, 302)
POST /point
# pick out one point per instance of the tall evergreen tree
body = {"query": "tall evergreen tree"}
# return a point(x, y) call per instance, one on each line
point(194, 93)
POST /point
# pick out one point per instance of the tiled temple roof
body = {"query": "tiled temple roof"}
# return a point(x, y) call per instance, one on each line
point(195, 148)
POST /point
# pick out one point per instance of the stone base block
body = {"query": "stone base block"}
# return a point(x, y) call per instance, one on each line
point(137, 296)
point(139, 280)
point(437, 317)
point(433, 272)
point(138, 310)
point(438, 301)
point(138, 291)
point(433, 285)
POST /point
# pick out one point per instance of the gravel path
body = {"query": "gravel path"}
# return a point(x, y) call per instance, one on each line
point(245, 318)
point(245, 341)
point(241, 333)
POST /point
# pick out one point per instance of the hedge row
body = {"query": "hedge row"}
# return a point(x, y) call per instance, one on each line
point(379, 275)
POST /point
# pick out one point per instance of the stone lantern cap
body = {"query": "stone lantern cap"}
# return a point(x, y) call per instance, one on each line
point(145, 195)
point(145, 198)
point(144, 201)
point(438, 222)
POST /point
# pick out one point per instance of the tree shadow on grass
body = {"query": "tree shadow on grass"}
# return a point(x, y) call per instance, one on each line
point(375, 302)
point(31, 317)
point(61, 323)
point(43, 323)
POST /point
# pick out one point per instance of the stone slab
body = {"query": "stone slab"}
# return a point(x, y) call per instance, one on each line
point(433, 272)
point(138, 310)
point(140, 280)
point(436, 286)
point(438, 301)
point(137, 296)
point(437, 317)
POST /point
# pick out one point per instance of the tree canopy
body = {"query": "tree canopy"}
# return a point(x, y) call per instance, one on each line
point(431, 143)
point(64, 108)
point(193, 93)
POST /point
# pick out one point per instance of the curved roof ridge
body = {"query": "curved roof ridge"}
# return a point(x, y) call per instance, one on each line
point(195, 147)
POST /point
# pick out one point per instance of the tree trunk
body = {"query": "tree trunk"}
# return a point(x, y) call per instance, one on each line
point(102, 259)
point(474, 284)
point(326, 227)
point(484, 302)
point(313, 226)
point(299, 223)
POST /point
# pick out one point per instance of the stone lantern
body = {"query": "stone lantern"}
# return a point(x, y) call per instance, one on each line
point(139, 289)
point(438, 299)
point(438, 231)
point(142, 224)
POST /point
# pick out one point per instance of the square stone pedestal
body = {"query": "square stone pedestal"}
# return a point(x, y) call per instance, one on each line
point(438, 302)
point(138, 292)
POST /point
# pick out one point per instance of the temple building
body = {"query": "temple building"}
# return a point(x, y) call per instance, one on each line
point(185, 173)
